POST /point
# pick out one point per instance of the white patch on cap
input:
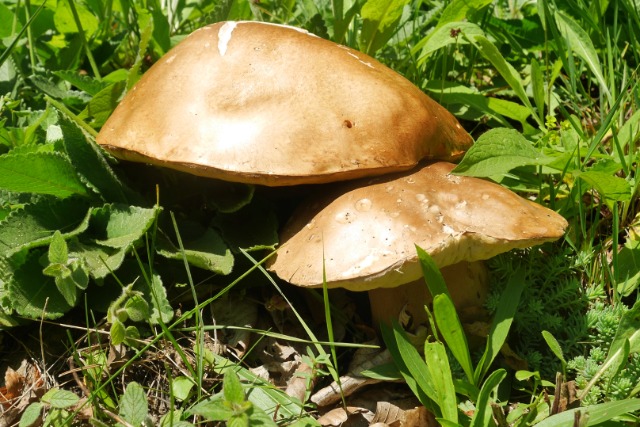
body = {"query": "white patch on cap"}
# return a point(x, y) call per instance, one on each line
point(224, 36)
point(350, 53)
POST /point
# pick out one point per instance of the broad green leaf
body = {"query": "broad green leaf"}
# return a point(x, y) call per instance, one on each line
point(627, 271)
point(452, 332)
point(67, 287)
point(459, 10)
point(60, 399)
point(117, 332)
point(497, 152)
point(203, 247)
point(137, 308)
point(612, 188)
point(212, 409)
point(442, 36)
point(181, 387)
point(120, 226)
point(102, 104)
point(29, 291)
point(437, 362)
point(628, 329)
point(232, 388)
point(64, 22)
point(594, 414)
point(506, 70)
point(581, 44)
point(88, 160)
point(100, 260)
point(35, 225)
point(380, 22)
point(502, 321)
point(482, 415)
point(31, 415)
point(133, 405)
point(41, 173)
point(157, 298)
point(496, 108)
point(58, 249)
point(83, 82)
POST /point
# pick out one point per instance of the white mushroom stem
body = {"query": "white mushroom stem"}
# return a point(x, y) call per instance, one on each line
point(467, 283)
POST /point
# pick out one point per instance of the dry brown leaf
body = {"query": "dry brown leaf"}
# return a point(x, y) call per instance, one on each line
point(297, 385)
point(351, 417)
point(22, 386)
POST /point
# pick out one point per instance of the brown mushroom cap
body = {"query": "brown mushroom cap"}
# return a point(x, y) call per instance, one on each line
point(366, 232)
point(275, 105)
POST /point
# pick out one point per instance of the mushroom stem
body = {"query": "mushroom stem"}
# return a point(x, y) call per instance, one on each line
point(468, 285)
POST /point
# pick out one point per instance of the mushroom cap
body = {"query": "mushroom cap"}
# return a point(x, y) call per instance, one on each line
point(275, 105)
point(366, 232)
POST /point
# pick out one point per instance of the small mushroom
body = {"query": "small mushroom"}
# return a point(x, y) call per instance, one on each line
point(366, 232)
point(275, 105)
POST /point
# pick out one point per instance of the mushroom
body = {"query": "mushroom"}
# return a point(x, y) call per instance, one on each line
point(275, 105)
point(366, 232)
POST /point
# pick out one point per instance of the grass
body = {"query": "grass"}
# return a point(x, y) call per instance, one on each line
point(105, 285)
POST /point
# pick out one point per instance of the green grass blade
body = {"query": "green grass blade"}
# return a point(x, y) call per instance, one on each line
point(482, 416)
point(594, 414)
point(409, 363)
point(501, 322)
point(437, 362)
point(452, 332)
point(582, 45)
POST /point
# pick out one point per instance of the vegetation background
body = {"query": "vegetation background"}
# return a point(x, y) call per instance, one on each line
point(549, 90)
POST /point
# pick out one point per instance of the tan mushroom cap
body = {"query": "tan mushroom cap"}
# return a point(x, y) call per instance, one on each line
point(367, 232)
point(275, 105)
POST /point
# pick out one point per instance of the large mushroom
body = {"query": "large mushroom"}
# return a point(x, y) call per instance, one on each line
point(365, 232)
point(275, 105)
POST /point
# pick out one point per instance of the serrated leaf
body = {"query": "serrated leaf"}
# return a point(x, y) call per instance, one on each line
point(58, 249)
point(103, 103)
point(82, 82)
point(40, 173)
point(31, 415)
point(133, 405)
point(100, 260)
point(137, 308)
point(497, 152)
point(157, 297)
point(119, 226)
point(203, 247)
point(30, 291)
point(60, 399)
point(89, 161)
point(232, 388)
point(35, 225)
